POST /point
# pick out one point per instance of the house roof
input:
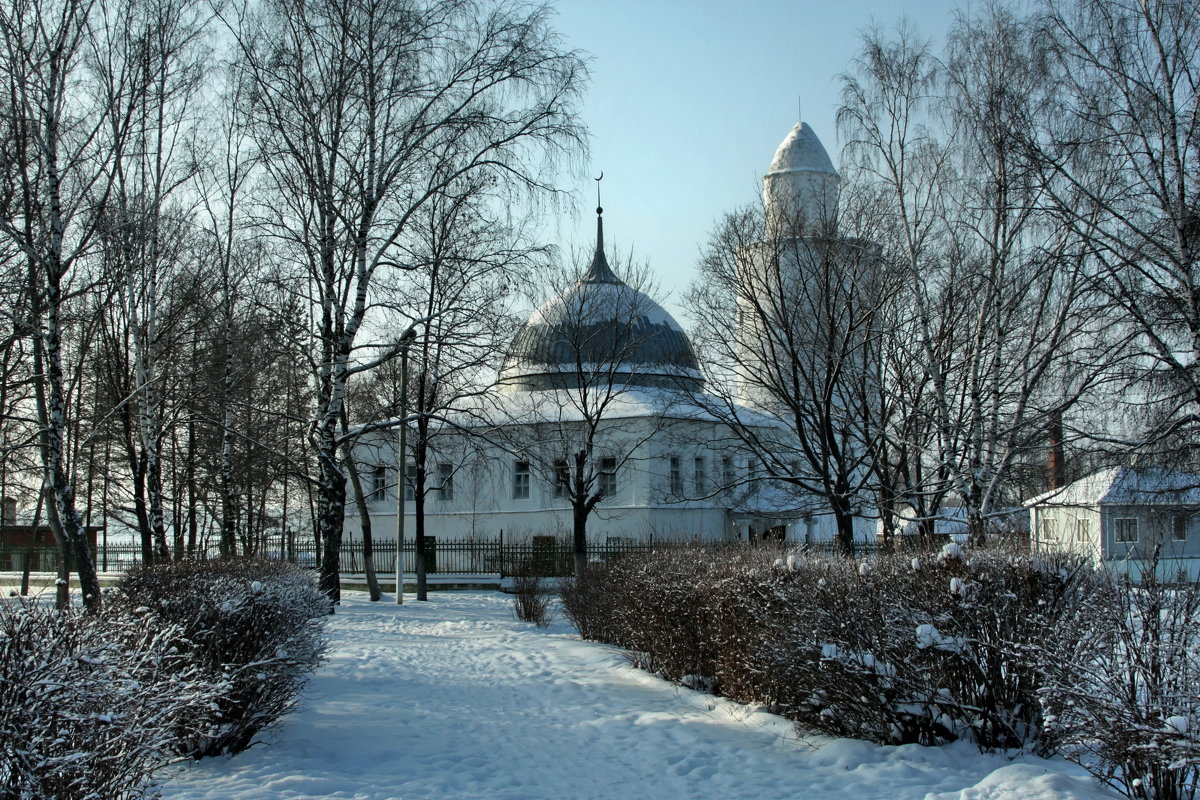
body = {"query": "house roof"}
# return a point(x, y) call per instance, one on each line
point(1126, 486)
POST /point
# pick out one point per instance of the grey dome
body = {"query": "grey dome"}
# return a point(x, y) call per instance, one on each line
point(601, 327)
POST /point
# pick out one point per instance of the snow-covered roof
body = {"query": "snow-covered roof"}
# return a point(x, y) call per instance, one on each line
point(1127, 486)
point(801, 151)
point(633, 402)
point(952, 520)
point(801, 185)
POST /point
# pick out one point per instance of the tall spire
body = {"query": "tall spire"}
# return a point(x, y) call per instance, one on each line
point(600, 272)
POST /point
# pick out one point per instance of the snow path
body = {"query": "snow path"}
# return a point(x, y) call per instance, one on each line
point(456, 699)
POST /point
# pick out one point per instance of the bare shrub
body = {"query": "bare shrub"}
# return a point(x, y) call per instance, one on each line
point(894, 649)
point(531, 598)
point(1121, 694)
point(256, 625)
point(91, 705)
point(586, 599)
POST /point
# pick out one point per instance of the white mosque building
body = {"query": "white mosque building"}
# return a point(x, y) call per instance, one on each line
point(600, 394)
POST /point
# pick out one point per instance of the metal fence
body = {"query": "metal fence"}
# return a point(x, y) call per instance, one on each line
point(546, 555)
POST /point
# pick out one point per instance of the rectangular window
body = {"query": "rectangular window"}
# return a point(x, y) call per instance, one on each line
point(562, 478)
point(676, 476)
point(410, 482)
point(608, 477)
point(1048, 530)
point(521, 480)
point(378, 485)
point(700, 476)
point(727, 473)
point(1083, 530)
point(1179, 526)
point(446, 473)
point(1127, 529)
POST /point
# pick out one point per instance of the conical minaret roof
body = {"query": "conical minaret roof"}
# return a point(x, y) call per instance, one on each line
point(801, 185)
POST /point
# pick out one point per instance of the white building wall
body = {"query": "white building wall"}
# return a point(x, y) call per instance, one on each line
point(1059, 528)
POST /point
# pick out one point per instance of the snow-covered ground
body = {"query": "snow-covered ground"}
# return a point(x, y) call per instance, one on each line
point(456, 699)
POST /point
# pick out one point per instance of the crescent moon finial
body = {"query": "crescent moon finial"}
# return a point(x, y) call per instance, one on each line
point(599, 209)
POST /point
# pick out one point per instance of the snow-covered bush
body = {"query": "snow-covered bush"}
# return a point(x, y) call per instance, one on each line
point(900, 650)
point(255, 626)
point(91, 705)
point(1122, 695)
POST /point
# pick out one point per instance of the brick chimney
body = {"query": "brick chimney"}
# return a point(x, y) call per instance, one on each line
point(1056, 467)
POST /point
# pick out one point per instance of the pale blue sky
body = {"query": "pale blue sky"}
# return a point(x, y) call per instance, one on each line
point(689, 100)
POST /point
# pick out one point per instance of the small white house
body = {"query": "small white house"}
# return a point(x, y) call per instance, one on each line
point(1121, 517)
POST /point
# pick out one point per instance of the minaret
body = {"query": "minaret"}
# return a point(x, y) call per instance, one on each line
point(800, 198)
point(800, 189)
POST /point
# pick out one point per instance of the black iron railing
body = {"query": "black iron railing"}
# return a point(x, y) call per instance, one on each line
point(546, 556)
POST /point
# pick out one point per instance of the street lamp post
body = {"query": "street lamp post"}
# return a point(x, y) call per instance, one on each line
point(402, 462)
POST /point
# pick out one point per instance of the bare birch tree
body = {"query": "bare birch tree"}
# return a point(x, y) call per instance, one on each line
point(1120, 166)
point(468, 264)
point(157, 48)
point(804, 346)
point(992, 313)
point(363, 113)
point(58, 155)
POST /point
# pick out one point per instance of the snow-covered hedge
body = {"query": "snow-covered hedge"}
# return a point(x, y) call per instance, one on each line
point(893, 650)
point(256, 627)
point(91, 705)
point(1005, 649)
point(1122, 697)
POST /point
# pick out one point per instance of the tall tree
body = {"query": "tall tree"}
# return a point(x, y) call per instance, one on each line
point(993, 314)
point(468, 267)
point(158, 49)
point(1120, 165)
point(805, 348)
point(365, 112)
point(58, 156)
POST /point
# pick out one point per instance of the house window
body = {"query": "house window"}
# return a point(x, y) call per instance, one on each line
point(608, 477)
point(378, 485)
point(1083, 530)
point(676, 476)
point(446, 472)
point(727, 474)
point(521, 480)
point(410, 482)
point(1179, 526)
point(1048, 529)
point(700, 475)
point(1126, 529)
point(562, 478)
